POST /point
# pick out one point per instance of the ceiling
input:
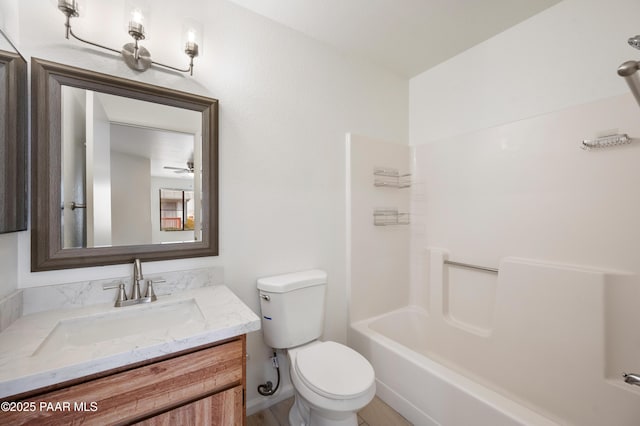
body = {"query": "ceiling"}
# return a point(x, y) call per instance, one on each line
point(162, 147)
point(163, 134)
point(405, 36)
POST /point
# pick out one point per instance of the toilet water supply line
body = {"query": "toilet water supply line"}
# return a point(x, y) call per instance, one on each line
point(267, 389)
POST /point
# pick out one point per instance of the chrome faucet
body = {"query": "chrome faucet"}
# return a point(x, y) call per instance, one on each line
point(632, 379)
point(136, 297)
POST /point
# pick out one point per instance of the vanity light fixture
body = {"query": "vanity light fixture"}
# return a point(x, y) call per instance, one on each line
point(135, 56)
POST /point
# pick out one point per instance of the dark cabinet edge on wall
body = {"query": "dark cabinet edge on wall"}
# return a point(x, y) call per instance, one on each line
point(13, 142)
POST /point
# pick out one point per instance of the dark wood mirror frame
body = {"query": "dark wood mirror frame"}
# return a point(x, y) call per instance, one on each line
point(46, 242)
point(13, 142)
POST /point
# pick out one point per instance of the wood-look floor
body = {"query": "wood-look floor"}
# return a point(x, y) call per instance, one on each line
point(377, 413)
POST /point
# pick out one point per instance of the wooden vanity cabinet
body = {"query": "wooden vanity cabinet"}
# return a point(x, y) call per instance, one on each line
point(205, 386)
point(223, 408)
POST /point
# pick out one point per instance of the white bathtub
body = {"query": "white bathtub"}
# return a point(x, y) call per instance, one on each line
point(425, 391)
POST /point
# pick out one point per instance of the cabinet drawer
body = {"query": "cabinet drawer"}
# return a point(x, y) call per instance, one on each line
point(222, 409)
point(141, 392)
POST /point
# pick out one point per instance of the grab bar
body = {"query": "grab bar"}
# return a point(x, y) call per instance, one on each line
point(467, 265)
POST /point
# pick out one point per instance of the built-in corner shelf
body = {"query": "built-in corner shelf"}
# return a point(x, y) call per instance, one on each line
point(389, 217)
point(392, 178)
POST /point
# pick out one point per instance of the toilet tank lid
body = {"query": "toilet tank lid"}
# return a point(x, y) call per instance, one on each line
point(292, 281)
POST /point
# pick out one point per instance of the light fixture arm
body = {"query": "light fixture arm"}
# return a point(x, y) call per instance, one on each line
point(70, 32)
point(189, 69)
point(135, 56)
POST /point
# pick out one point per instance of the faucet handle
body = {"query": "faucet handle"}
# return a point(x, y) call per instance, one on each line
point(150, 293)
point(122, 296)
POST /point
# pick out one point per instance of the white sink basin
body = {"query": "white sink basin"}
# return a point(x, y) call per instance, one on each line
point(145, 320)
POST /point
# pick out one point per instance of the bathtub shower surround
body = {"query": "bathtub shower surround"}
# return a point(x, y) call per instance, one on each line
point(73, 295)
point(537, 361)
point(423, 390)
point(377, 256)
point(543, 341)
point(527, 189)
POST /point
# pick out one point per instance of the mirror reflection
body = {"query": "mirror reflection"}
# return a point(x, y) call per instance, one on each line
point(131, 171)
point(177, 210)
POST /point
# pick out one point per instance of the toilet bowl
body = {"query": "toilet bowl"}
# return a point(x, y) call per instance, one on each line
point(332, 383)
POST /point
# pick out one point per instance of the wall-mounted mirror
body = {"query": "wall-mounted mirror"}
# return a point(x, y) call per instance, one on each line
point(13, 138)
point(104, 148)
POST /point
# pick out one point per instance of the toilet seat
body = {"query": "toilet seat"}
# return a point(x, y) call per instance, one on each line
point(334, 371)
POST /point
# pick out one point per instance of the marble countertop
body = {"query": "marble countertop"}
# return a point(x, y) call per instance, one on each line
point(30, 359)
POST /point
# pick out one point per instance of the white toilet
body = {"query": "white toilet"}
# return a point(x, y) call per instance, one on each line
point(331, 381)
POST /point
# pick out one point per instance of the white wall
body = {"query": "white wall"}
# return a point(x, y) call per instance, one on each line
point(286, 103)
point(8, 263)
point(130, 199)
point(98, 175)
point(9, 21)
point(566, 55)
point(4, 44)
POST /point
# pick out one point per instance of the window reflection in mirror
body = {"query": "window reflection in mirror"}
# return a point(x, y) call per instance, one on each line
point(177, 210)
point(114, 166)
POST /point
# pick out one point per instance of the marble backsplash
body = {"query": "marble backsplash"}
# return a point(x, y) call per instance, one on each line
point(71, 295)
point(10, 309)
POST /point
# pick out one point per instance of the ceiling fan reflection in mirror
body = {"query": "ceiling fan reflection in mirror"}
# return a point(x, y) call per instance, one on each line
point(188, 169)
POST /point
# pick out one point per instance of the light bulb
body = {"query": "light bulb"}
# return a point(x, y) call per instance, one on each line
point(192, 33)
point(136, 16)
point(68, 7)
point(136, 29)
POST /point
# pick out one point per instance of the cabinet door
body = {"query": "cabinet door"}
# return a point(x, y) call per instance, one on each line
point(222, 409)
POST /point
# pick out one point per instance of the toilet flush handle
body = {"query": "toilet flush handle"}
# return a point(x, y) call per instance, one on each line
point(265, 297)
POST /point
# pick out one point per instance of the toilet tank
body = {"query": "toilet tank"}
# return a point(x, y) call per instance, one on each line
point(292, 307)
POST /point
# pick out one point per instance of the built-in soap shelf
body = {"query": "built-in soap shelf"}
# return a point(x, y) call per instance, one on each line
point(389, 217)
point(392, 178)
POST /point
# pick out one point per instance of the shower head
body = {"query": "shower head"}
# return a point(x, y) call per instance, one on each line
point(629, 70)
